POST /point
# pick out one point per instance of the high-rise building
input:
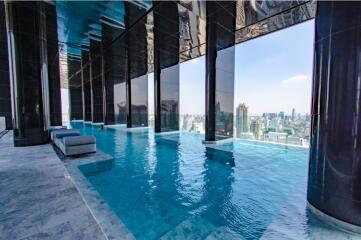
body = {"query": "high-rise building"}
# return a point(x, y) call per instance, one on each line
point(255, 128)
point(282, 115)
point(293, 114)
point(241, 119)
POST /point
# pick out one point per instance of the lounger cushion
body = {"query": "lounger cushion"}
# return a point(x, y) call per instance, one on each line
point(65, 133)
point(56, 128)
point(78, 140)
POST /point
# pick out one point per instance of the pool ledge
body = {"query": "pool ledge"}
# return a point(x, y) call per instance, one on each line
point(337, 223)
point(111, 225)
point(166, 133)
point(228, 140)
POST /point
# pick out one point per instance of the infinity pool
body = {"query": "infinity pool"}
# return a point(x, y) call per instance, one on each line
point(174, 187)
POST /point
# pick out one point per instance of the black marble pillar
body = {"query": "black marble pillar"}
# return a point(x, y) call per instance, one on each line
point(137, 65)
point(128, 89)
point(114, 75)
point(166, 67)
point(211, 54)
point(220, 57)
point(26, 30)
point(5, 94)
point(157, 73)
point(96, 77)
point(335, 152)
point(85, 75)
point(53, 65)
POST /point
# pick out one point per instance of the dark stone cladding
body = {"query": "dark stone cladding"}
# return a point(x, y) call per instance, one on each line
point(166, 67)
point(96, 76)
point(25, 24)
point(114, 75)
point(220, 57)
point(335, 151)
point(136, 67)
point(53, 65)
point(5, 95)
point(85, 75)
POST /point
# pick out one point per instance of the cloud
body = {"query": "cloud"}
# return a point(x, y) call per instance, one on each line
point(296, 79)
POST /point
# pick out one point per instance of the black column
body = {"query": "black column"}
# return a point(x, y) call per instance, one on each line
point(114, 74)
point(166, 67)
point(157, 83)
point(220, 55)
point(137, 66)
point(334, 184)
point(87, 114)
point(128, 87)
point(211, 54)
point(28, 65)
point(96, 77)
point(5, 95)
point(53, 65)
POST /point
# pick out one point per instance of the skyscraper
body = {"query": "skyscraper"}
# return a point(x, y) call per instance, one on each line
point(282, 115)
point(241, 119)
point(255, 128)
point(293, 114)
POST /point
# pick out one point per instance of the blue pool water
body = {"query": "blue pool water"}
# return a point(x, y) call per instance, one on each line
point(173, 186)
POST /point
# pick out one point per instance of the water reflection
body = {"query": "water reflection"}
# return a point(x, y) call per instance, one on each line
point(219, 179)
point(174, 186)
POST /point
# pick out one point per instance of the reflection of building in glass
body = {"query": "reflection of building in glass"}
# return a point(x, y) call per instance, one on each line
point(140, 115)
point(121, 112)
point(224, 122)
point(241, 119)
point(169, 112)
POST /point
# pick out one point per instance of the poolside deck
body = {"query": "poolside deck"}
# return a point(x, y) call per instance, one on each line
point(37, 198)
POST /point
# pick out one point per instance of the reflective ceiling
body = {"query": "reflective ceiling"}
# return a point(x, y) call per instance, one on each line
point(79, 21)
point(180, 25)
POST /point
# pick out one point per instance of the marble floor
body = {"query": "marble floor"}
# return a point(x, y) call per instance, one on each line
point(38, 200)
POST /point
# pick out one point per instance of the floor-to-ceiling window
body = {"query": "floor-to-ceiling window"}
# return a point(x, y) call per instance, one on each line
point(65, 104)
point(192, 95)
point(273, 76)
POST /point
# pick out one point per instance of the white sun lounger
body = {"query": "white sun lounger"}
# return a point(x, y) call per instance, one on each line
point(70, 142)
point(75, 145)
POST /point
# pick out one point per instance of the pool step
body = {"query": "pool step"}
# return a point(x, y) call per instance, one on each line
point(192, 228)
point(224, 233)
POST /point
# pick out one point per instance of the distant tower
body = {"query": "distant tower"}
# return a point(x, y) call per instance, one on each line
point(293, 114)
point(255, 128)
point(282, 115)
point(241, 119)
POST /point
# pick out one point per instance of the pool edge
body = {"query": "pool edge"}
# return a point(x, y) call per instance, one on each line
point(337, 223)
point(108, 221)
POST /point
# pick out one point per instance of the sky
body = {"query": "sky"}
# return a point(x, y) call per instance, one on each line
point(272, 74)
point(65, 104)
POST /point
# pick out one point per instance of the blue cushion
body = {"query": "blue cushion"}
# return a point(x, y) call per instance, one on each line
point(54, 129)
point(66, 134)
